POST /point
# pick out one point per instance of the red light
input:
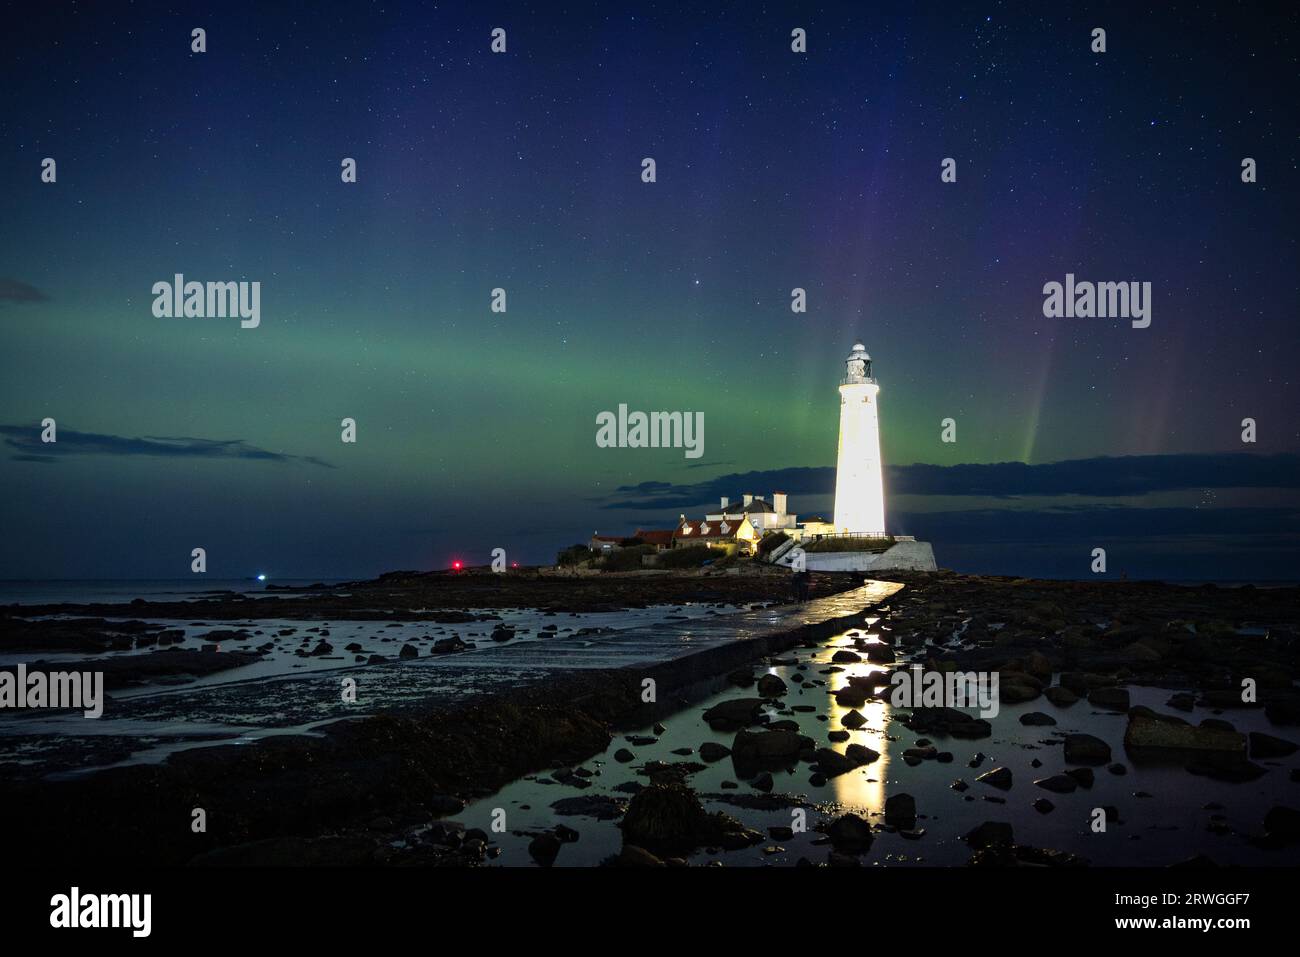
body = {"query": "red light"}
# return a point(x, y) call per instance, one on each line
point(456, 565)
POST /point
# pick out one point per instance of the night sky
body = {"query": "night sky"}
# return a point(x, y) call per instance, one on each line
point(522, 170)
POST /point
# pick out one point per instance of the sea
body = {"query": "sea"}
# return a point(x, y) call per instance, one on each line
point(122, 591)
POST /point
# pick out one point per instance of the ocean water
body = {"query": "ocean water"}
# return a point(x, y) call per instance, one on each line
point(88, 591)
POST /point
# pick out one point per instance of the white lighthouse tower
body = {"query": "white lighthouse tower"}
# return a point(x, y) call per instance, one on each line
point(859, 487)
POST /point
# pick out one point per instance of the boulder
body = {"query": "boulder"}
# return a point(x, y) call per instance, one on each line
point(1266, 746)
point(712, 751)
point(1112, 699)
point(1060, 696)
point(1057, 784)
point(666, 818)
point(771, 686)
point(999, 778)
point(990, 834)
point(1283, 824)
point(734, 714)
point(860, 754)
point(1147, 729)
point(850, 834)
point(831, 763)
point(760, 747)
point(1086, 749)
point(900, 810)
point(1037, 719)
point(853, 720)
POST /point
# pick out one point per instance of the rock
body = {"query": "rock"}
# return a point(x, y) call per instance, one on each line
point(1044, 806)
point(771, 686)
point(850, 834)
point(1016, 686)
point(837, 737)
point(409, 651)
point(1117, 768)
point(623, 756)
point(852, 696)
point(999, 778)
point(844, 657)
point(990, 834)
point(763, 782)
point(1083, 776)
point(1037, 719)
point(1060, 696)
point(1112, 699)
point(1283, 709)
point(1057, 784)
point(831, 763)
point(767, 746)
point(900, 810)
point(780, 833)
point(1182, 701)
point(566, 834)
point(544, 849)
point(1086, 749)
point(712, 751)
point(633, 856)
point(880, 654)
point(950, 721)
point(1266, 746)
point(503, 634)
point(1147, 729)
point(1037, 665)
point(742, 677)
point(669, 818)
point(852, 720)
point(1282, 824)
point(860, 754)
point(734, 714)
point(959, 785)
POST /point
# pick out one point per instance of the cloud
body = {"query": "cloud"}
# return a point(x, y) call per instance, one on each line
point(26, 440)
point(1125, 475)
point(11, 290)
point(1099, 477)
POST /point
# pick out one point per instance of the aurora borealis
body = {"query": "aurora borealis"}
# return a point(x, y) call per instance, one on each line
point(521, 170)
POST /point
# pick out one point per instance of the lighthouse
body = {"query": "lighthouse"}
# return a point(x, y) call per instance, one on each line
point(859, 487)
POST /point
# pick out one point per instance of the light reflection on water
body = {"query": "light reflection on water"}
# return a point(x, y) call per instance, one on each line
point(1166, 812)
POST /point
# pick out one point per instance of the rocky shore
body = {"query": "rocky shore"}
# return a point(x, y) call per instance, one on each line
point(803, 726)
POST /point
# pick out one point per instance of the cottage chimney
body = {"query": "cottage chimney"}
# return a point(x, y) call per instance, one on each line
point(749, 500)
point(778, 502)
point(725, 502)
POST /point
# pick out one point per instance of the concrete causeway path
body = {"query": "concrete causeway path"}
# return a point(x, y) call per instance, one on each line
point(171, 718)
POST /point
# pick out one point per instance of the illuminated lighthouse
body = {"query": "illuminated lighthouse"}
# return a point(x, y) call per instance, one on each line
point(859, 487)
